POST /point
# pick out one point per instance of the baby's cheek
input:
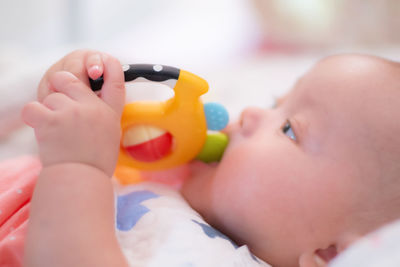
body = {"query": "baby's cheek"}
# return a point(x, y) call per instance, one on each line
point(230, 185)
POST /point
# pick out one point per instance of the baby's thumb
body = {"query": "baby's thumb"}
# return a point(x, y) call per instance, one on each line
point(113, 90)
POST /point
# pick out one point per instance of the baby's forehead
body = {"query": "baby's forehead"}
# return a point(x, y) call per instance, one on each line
point(358, 61)
point(344, 76)
point(360, 94)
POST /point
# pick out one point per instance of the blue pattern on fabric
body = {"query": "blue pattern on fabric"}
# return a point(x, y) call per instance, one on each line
point(213, 233)
point(130, 209)
point(254, 258)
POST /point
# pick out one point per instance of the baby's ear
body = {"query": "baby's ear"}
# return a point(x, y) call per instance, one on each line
point(321, 257)
point(311, 259)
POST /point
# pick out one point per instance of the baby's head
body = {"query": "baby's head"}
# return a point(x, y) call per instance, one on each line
point(314, 173)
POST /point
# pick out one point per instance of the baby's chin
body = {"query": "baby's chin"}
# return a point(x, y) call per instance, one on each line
point(200, 169)
point(177, 176)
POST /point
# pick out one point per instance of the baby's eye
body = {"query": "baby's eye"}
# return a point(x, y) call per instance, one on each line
point(287, 129)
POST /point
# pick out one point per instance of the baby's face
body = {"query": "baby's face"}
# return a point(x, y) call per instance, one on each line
point(294, 178)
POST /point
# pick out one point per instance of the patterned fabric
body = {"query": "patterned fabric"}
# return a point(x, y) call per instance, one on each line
point(156, 227)
point(17, 180)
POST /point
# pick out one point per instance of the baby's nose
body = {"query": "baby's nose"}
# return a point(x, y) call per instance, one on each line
point(250, 119)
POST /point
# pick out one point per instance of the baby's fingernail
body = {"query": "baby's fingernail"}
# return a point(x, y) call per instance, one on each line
point(95, 72)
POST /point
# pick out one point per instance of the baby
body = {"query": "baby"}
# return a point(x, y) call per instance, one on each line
point(297, 184)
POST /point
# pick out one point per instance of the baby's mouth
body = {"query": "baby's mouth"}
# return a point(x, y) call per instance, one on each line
point(233, 127)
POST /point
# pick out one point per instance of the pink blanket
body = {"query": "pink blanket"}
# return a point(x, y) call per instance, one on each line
point(17, 180)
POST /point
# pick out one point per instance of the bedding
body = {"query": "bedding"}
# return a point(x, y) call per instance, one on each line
point(154, 224)
point(156, 227)
point(17, 180)
point(377, 249)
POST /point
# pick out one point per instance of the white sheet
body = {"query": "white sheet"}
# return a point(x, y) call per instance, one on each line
point(156, 227)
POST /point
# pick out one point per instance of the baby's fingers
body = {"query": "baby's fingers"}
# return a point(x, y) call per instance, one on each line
point(57, 101)
point(113, 90)
point(68, 84)
point(34, 114)
point(81, 63)
point(94, 66)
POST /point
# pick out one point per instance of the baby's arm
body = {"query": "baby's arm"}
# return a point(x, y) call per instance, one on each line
point(72, 212)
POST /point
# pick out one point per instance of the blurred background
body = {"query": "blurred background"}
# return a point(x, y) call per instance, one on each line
point(250, 51)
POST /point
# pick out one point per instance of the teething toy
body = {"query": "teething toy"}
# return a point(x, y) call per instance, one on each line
point(161, 135)
point(213, 148)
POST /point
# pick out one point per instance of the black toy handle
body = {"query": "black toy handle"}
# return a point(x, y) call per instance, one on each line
point(149, 72)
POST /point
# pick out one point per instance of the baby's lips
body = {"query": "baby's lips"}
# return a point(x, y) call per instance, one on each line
point(231, 127)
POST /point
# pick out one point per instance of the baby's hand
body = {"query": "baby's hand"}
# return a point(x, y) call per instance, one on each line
point(81, 63)
point(72, 124)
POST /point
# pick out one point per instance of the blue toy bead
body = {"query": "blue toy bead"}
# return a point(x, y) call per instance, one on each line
point(217, 116)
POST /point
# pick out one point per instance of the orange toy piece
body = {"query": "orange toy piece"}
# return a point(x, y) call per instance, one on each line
point(160, 135)
point(181, 116)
